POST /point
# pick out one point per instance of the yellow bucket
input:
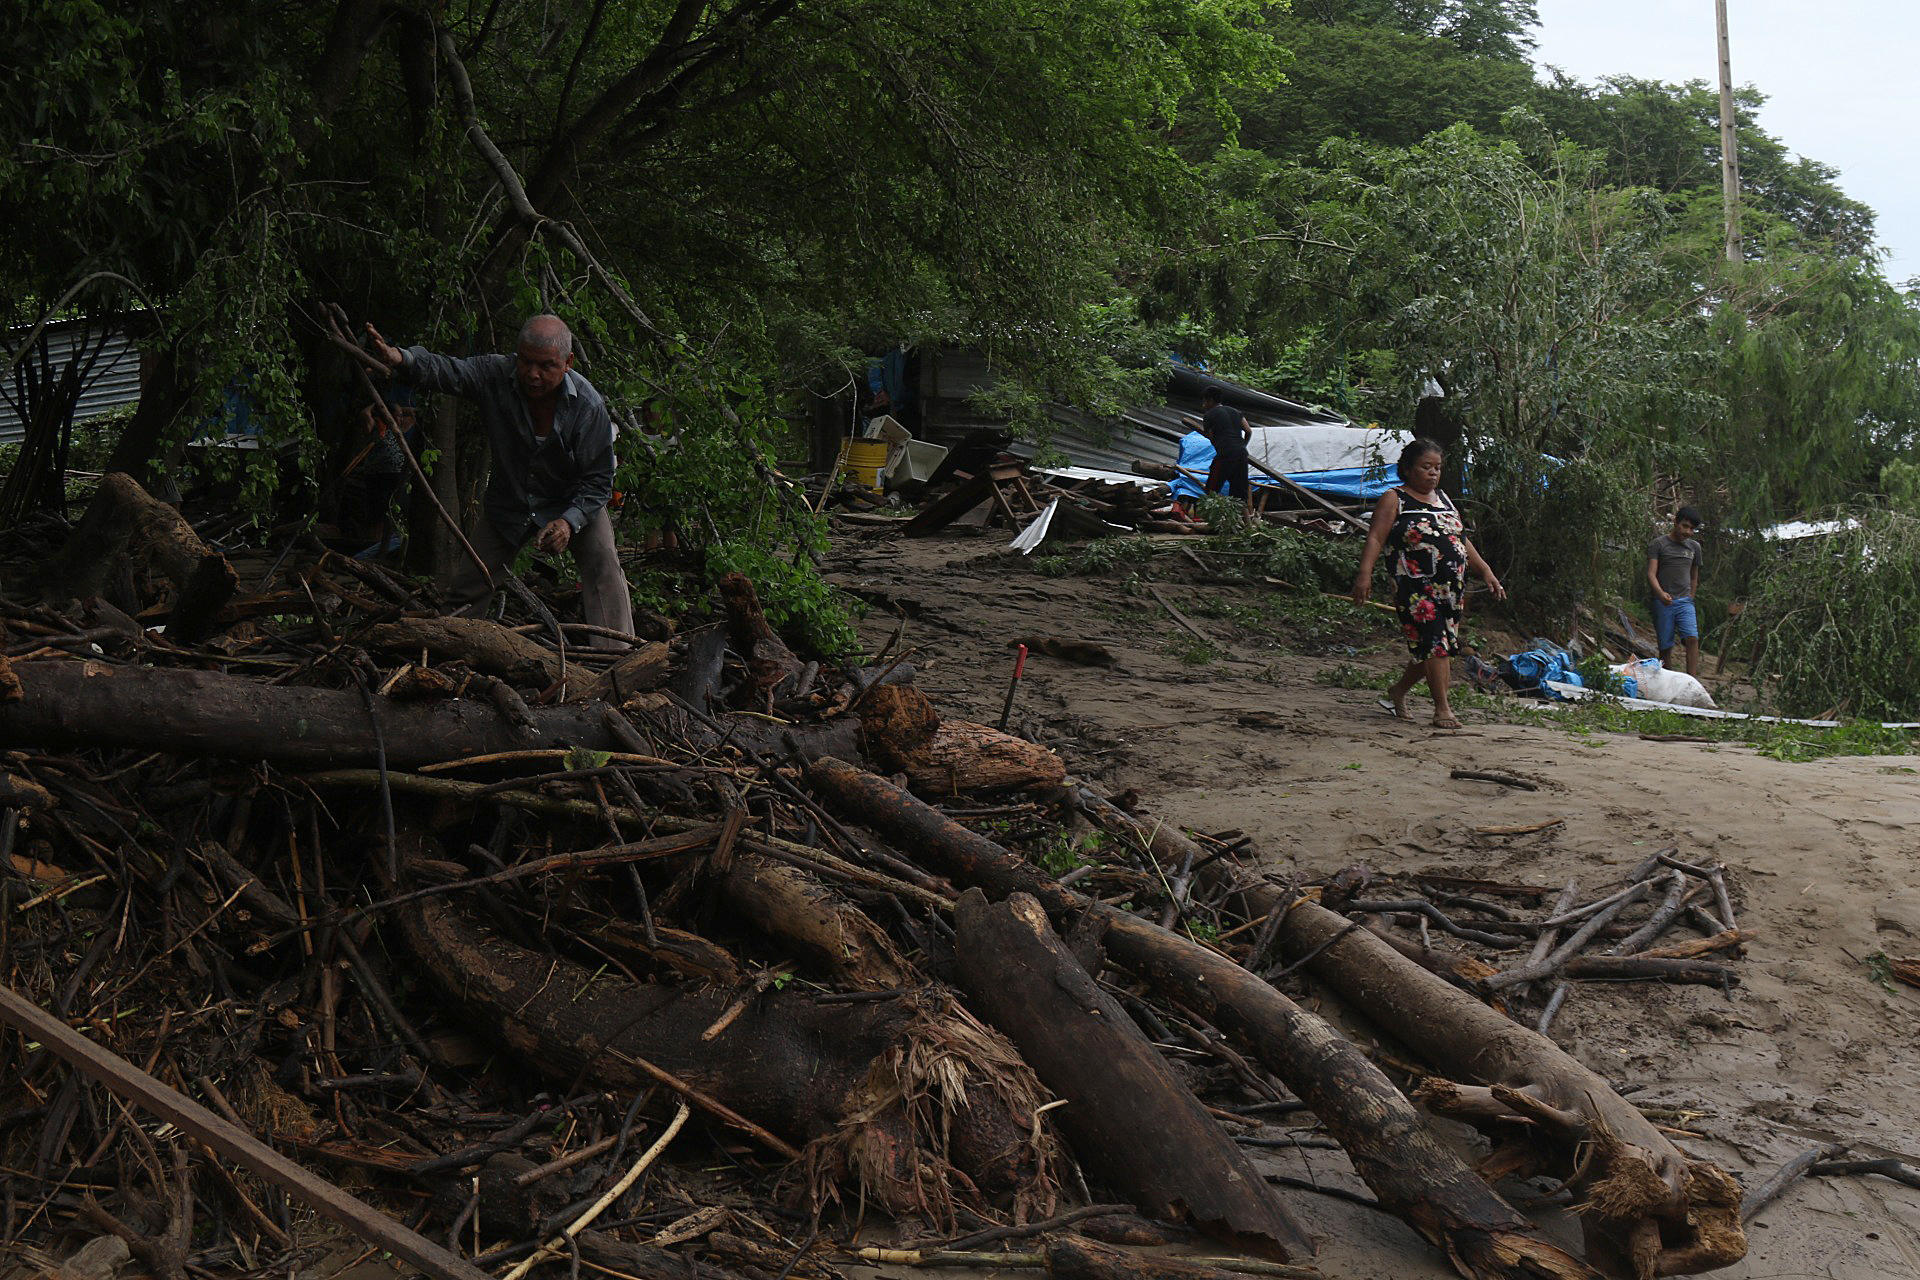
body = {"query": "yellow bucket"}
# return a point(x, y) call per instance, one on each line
point(862, 459)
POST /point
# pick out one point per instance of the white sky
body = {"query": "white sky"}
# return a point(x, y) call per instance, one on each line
point(1839, 75)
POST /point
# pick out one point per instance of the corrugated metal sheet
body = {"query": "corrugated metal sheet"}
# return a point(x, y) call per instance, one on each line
point(113, 384)
point(1150, 432)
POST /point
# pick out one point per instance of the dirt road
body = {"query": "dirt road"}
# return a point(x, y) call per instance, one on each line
point(1238, 732)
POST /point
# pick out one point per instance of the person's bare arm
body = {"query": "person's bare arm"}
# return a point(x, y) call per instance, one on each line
point(1246, 429)
point(1653, 580)
point(1479, 565)
point(1383, 513)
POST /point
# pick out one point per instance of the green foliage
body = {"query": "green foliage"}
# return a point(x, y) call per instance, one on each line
point(1307, 562)
point(1350, 675)
point(1098, 556)
point(1900, 481)
point(1064, 852)
point(1598, 675)
point(1820, 373)
point(1192, 651)
point(1794, 743)
point(1839, 618)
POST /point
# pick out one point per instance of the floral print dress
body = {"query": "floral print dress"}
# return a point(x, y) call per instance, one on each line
point(1428, 551)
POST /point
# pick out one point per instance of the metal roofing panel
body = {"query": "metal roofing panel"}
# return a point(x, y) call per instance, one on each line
point(113, 384)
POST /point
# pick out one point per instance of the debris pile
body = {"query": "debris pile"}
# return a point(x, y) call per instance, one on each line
point(666, 960)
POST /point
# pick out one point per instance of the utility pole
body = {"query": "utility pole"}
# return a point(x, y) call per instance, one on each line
point(1729, 152)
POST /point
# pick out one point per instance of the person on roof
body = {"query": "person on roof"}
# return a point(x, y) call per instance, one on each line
point(552, 469)
point(1228, 430)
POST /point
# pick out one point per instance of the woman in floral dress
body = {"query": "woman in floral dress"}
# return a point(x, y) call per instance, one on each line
point(1429, 551)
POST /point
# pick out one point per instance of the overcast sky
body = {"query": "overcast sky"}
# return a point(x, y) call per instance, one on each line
point(1839, 75)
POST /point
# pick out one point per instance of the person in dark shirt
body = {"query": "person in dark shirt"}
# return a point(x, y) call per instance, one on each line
point(1673, 571)
point(553, 464)
point(1228, 431)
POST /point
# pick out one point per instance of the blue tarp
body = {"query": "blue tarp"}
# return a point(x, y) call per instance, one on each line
point(1361, 483)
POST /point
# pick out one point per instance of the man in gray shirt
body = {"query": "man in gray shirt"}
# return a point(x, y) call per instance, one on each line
point(552, 464)
point(1673, 571)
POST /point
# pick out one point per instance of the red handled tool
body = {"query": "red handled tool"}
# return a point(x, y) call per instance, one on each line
point(1019, 668)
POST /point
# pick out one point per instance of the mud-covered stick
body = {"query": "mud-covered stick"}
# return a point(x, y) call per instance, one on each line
point(1013, 685)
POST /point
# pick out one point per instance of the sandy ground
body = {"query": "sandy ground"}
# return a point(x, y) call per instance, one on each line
point(1809, 1048)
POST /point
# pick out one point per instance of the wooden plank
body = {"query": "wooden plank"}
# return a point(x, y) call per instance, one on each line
point(1338, 513)
point(130, 1082)
point(962, 498)
point(1178, 616)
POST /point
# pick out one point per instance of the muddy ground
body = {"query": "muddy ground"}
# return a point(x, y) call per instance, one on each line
point(1246, 732)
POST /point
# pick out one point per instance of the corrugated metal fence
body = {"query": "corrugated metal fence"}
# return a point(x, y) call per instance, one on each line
point(113, 383)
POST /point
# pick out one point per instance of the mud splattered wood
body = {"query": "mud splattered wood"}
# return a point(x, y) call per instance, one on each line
point(1128, 1116)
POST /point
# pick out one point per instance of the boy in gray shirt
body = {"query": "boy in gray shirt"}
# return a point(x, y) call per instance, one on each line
point(1673, 570)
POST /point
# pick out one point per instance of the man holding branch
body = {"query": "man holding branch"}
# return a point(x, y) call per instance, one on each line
point(552, 470)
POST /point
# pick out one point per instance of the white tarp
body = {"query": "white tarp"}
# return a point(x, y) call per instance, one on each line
point(1290, 450)
point(1794, 530)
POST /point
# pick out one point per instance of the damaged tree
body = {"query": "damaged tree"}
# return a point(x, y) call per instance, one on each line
point(920, 1106)
point(1416, 1177)
point(1648, 1210)
point(1127, 1114)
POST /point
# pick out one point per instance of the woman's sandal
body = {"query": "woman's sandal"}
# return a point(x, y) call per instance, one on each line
point(1445, 722)
point(1387, 705)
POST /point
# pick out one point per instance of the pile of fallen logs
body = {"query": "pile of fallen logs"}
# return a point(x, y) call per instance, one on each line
point(677, 958)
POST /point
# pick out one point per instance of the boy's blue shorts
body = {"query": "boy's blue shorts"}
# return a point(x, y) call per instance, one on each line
point(1676, 619)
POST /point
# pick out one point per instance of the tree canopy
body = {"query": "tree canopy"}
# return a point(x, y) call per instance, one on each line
point(1357, 201)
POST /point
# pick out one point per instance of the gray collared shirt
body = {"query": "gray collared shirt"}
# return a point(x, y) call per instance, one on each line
point(568, 474)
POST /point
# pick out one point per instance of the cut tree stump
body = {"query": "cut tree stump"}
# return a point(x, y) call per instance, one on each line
point(1128, 1117)
point(125, 518)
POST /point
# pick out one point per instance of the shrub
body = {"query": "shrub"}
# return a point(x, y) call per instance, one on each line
point(1839, 619)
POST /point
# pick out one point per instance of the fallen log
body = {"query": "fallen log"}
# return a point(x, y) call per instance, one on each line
point(640, 671)
point(1649, 968)
point(1416, 1178)
point(68, 703)
point(907, 1098)
point(901, 731)
point(769, 661)
point(1651, 1210)
point(481, 643)
point(817, 924)
point(964, 756)
point(1128, 1117)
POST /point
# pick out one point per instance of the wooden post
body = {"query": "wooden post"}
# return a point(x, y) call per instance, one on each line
point(1729, 148)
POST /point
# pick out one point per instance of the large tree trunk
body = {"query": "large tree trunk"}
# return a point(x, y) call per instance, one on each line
point(907, 1098)
point(1128, 1117)
point(1416, 1177)
point(1653, 1212)
point(81, 703)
